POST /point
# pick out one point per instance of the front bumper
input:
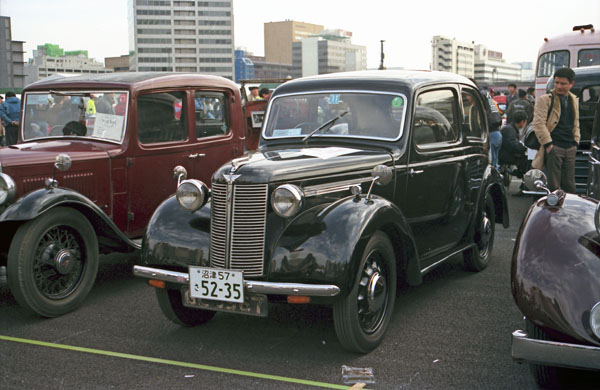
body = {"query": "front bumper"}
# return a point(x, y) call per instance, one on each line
point(554, 353)
point(254, 286)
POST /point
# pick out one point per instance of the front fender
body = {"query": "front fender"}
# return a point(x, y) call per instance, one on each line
point(35, 203)
point(555, 271)
point(176, 237)
point(324, 245)
point(493, 185)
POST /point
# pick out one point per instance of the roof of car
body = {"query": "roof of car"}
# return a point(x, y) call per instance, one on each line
point(388, 80)
point(132, 80)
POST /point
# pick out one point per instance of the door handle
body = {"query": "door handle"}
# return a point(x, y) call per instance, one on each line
point(196, 155)
point(415, 172)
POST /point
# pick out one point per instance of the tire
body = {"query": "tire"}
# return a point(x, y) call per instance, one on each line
point(547, 377)
point(170, 302)
point(52, 262)
point(360, 324)
point(477, 257)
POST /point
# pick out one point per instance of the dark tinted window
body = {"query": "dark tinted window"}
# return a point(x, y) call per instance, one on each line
point(588, 57)
point(161, 117)
point(434, 120)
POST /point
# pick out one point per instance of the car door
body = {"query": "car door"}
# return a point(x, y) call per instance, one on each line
point(163, 142)
point(215, 141)
point(593, 181)
point(436, 183)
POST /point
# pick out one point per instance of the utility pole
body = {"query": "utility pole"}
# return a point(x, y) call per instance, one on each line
point(381, 67)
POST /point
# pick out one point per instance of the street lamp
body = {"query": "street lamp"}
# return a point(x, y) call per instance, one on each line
point(381, 67)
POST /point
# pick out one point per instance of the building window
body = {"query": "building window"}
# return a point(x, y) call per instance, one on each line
point(186, 60)
point(184, 32)
point(184, 50)
point(185, 69)
point(155, 40)
point(214, 41)
point(184, 13)
point(215, 60)
point(183, 4)
point(214, 32)
point(185, 41)
point(157, 31)
point(153, 21)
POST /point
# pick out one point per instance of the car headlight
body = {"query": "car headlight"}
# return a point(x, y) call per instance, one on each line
point(287, 200)
point(192, 194)
point(595, 319)
point(7, 189)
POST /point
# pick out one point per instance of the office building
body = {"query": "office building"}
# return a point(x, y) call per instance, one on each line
point(12, 65)
point(279, 36)
point(117, 64)
point(182, 36)
point(450, 55)
point(329, 52)
point(491, 68)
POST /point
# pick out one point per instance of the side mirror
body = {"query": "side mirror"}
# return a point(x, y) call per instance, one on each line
point(535, 179)
point(382, 174)
point(179, 174)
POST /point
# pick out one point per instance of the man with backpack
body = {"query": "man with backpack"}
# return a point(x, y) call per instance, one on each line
point(556, 126)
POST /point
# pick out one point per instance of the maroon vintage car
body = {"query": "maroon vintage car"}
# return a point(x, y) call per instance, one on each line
point(95, 158)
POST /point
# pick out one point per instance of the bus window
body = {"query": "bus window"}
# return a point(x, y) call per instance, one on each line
point(588, 57)
point(551, 61)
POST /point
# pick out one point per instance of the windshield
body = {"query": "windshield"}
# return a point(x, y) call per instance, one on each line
point(99, 115)
point(549, 62)
point(359, 114)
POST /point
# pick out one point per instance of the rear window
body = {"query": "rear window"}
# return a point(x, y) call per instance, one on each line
point(549, 62)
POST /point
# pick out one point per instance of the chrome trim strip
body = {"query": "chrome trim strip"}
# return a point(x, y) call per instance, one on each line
point(430, 267)
point(554, 353)
point(259, 287)
point(445, 160)
point(322, 189)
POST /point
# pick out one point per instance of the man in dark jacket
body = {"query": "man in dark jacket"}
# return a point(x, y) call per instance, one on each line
point(10, 112)
point(512, 151)
point(520, 104)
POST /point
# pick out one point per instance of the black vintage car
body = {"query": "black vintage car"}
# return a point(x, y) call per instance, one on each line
point(362, 181)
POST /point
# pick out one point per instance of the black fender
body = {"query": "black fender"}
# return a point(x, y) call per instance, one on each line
point(325, 244)
point(492, 185)
point(35, 203)
point(555, 269)
point(176, 237)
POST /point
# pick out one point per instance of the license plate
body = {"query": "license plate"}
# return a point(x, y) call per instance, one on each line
point(216, 284)
point(253, 305)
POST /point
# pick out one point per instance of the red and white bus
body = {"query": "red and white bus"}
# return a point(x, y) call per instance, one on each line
point(578, 48)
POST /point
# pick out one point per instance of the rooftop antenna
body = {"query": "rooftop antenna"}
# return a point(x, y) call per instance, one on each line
point(381, 66)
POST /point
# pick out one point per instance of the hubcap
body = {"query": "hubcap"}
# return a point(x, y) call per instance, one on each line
point(372, 298)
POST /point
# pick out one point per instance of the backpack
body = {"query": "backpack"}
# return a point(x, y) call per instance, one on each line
point(530, 140)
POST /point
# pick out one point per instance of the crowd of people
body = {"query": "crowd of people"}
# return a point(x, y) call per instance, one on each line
point(554, 118)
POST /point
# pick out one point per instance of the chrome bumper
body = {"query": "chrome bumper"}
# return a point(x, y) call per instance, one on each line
point(554, 353)
point(259, 287)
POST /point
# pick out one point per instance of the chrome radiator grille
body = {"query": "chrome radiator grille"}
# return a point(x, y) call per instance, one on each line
point(237, 229)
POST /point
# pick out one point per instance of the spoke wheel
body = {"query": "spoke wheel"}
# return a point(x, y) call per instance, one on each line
point(170, 302)
point(53, 261)
point(362, 317)
point(477, 258)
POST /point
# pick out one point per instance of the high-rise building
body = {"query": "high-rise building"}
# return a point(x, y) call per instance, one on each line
point(450, 55)
point(490, 67)
point(12, 71)
point(279, 37)
point(330, 52)
point(182, 36)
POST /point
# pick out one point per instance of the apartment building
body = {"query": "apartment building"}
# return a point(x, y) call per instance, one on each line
point(182, 36)
point(450, 55)
point(490, 67)
point(12, 72)
point(279, 37)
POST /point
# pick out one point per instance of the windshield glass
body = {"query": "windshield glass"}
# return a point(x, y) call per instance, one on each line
point(359, 114)
point(94, 114)
point(549, 62)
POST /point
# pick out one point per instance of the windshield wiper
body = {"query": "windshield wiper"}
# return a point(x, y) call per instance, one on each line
point(324, 125)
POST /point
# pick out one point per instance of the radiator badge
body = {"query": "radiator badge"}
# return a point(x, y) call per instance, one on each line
point(230, 178)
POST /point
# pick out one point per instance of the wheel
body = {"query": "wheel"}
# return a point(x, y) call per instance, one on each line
point(172, 307)
point(53, 261)
point(547, 377)
point(477, 258)
point(362, 317)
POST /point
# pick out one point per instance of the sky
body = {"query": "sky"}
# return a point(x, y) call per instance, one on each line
point(514, 27)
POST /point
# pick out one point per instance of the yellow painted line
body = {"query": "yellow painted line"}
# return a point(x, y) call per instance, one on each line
point(174, 363)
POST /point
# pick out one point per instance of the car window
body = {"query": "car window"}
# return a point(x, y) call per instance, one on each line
point(434, 120)
point(588, 103)
point(588, 57)
point(210, 114)
point(161, 117)
point(474, 121)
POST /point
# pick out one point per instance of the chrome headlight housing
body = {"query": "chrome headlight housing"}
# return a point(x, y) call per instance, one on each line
point(8, 189)
point(595, 320)
point(192, 194)
point(287, 200)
